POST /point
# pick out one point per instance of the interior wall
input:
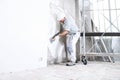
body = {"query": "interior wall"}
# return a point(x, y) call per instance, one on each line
point(23, 34)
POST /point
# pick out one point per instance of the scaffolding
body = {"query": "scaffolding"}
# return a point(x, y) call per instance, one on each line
point(102, 14)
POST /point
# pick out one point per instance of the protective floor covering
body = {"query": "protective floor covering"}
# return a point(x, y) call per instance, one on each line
point(91, 71)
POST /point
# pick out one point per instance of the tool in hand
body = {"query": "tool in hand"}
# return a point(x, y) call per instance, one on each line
point(53, 38)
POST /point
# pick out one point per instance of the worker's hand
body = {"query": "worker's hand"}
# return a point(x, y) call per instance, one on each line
point(57, 37)
point(53, 39)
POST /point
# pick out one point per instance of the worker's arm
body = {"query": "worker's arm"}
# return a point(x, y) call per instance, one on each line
point(64, 33)
point(53, 38)
point(55, 35)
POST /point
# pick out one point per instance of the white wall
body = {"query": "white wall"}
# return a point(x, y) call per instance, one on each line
point(23, 34)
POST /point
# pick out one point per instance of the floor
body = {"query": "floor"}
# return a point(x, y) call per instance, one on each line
point(91, 71)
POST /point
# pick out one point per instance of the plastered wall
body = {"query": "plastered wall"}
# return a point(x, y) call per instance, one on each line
point(23, 34)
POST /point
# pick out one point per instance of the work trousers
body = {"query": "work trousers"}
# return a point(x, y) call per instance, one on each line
point(71, 40)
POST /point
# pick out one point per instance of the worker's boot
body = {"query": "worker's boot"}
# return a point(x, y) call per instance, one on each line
point(70, 64)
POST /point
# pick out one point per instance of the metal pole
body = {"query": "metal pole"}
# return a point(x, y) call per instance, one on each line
point(83, 25)
point(77, 13)
point(104, 18)
point(98, 15)
point(109, 6)
point(78, 22)
point(116, 12)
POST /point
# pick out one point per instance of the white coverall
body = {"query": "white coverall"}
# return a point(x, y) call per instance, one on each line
point(72, 37)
